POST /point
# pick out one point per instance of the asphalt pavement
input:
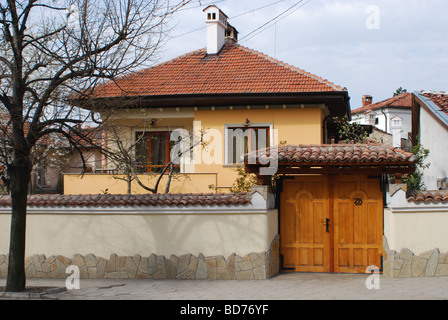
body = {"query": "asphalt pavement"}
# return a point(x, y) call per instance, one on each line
point(285, 286)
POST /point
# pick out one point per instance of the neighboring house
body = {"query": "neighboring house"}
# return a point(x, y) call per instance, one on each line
point(430, 122)
point(48, 157)
point(392, 115)
point(88, 156)
point(52, 157)
point(224, 89)
point(381, 136)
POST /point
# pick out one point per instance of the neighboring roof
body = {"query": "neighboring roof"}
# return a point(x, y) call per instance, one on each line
point(235, 70)
point(134, 200)
point(439, 98)
point(436, 102)
point(433, 196)
point(403, 100)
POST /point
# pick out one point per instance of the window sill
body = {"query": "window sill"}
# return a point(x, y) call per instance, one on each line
point(233, 165)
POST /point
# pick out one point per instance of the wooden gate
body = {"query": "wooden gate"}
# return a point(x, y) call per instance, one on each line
point(331, 223)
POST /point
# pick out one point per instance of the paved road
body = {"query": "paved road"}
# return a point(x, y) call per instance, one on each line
point(289, 286)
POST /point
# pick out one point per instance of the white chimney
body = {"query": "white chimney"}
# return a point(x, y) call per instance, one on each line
point(216, 21)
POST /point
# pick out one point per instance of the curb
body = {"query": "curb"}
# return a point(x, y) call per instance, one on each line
point(31, 295)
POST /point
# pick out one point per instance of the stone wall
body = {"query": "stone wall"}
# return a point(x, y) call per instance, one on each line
point(254, 266)
point(405, 264)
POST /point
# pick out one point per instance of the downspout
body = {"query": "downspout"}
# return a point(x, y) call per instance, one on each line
point(385, 119)
point(325, 130)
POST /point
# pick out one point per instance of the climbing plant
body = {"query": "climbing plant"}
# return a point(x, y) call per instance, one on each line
point(414, 181)
point(244, 181)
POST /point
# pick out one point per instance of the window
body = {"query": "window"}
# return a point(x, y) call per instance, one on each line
point(153, 152)
point(241, 140)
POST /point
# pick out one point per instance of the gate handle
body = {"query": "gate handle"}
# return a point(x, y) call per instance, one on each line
point(327, 225)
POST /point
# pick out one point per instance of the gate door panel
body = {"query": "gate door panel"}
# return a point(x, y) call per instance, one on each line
point(305, 240)
point(331, 223)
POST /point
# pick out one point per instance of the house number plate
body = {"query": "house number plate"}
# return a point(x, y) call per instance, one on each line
point(358, 201)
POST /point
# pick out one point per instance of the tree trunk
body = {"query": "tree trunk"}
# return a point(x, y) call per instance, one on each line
point(19, 173)
point(128, 181)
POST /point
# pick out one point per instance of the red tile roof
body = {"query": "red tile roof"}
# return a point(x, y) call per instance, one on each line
point(403, 100)
point(338, 153)
point(148, 200)
point(235, 70)
point(433, 196)
point(439, 98)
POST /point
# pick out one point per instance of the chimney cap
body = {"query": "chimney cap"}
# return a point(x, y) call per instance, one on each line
point(366, 100)
point(214, 6)
point(231, 33)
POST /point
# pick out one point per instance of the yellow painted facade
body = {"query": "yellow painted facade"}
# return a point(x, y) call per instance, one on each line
point(294, 126)
point(112, 184)
point(298, 125)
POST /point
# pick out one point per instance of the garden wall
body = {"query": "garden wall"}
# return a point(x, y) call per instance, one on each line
point(416, 237)
point(202, 236)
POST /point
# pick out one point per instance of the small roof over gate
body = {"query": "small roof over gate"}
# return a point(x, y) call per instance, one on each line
point(332, 159)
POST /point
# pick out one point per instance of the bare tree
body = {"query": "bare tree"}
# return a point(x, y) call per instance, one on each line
point(49, 48)
point(128, 157)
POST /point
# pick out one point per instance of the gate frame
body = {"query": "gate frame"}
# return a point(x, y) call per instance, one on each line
point(327, 164)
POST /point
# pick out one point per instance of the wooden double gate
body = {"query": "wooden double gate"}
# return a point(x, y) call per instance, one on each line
point(331, 223)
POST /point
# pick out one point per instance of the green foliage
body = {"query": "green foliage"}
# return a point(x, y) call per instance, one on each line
point(244, 181)
point(414, 181)
point(349, 132)
point(400, 91)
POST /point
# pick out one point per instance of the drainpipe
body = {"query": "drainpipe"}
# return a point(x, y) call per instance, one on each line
point(385, 118)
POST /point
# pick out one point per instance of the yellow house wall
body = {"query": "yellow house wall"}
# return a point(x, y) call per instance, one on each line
point(106, 183)
point(295, 126)
point(127, 127)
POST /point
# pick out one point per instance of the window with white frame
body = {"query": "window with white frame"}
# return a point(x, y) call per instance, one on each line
point(240, 140)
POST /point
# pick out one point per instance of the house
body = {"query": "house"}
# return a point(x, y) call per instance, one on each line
point(240, 102)
point(223, 90)
point(392, 115)
point(317, 206)
point(430, 129)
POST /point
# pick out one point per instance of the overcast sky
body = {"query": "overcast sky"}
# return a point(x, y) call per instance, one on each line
point(369, 46)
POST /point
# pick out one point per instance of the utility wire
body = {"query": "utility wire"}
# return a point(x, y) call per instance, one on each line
point(275, 20)
point(201, 5)
point(239, 15)
point(253, 10)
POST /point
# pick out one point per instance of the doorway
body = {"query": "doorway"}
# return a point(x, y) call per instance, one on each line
point(331, 223)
